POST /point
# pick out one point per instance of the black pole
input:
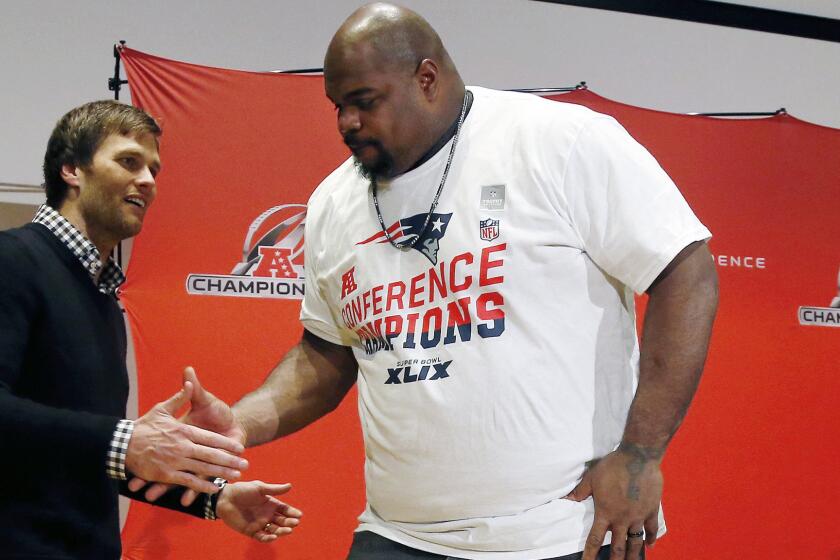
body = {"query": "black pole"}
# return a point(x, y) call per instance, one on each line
point(115, 83)
point(780, 111)
point(581, 85)
point(299, 71)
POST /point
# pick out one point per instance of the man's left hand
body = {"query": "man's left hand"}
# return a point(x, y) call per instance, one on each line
point(250, 508)
point(626, 486)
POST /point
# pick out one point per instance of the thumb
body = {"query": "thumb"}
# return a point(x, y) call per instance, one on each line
point(178, 400)
point(200, 397)
point(273, 489)
point(582, 491)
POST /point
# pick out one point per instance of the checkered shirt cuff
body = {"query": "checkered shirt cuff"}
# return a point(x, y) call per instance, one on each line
point(212, 499)
point(115, 463)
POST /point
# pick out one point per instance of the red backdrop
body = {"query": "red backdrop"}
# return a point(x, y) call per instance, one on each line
point(751, 474)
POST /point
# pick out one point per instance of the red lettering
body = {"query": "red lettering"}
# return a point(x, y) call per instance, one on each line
point(375, 327)
point(486, 314)
point(458, 312)
point(275, 263)
point(393, 325)
point(433, 313)
point(415, 291)
point(412, 321)
point(453, 284)
point(356, 307)
point(396, 290)
point(437, 279)
point(377, 299)
point(487, 264)
point(348, 282)
point(365, 304)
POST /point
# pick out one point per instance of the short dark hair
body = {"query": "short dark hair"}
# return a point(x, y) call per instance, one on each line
point(80, 132)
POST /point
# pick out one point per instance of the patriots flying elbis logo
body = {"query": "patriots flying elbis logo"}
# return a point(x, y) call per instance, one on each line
point(407, 229)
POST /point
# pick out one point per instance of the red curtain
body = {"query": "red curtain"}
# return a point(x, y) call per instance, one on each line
point(748, 475)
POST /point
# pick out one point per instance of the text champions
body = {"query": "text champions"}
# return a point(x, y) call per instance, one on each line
point(427, 311)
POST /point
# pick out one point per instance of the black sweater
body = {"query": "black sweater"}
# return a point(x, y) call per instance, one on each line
point(63, 388)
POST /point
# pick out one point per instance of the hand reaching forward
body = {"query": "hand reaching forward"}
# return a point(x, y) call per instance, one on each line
point(210, 412)
point(250, 508)
point(207, 412)
point(163, 449)
point(626, 486)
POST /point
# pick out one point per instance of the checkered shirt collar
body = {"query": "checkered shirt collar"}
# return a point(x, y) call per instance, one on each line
point(87, 253)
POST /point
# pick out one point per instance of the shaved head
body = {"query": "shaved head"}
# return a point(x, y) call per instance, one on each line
point(397, 37)
point(394, 86)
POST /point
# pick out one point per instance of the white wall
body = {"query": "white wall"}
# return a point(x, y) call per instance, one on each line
point(56, 54)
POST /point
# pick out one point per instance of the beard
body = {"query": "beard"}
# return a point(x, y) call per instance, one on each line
point(105, 219)
point(380, 167)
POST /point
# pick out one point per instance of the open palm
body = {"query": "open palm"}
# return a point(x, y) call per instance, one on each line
point(251, 508)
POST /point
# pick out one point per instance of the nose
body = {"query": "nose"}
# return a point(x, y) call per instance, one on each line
point(348, 120)
point(146, 179)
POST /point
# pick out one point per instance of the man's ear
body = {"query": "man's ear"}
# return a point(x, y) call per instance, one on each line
point(70, 174)
point(427, 75)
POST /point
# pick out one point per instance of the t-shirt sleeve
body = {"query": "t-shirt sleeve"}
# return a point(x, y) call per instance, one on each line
point(630, 217)
point(315, 313)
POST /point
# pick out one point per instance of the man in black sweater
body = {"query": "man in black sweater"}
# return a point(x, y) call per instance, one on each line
point(64, 439)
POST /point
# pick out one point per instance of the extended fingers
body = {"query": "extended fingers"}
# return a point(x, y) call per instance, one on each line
point(136, 483)
point(595, 539)
point(214, 440)
point(208, 468)
point(188, 497)
point(618, 542)
point(191, 481)
point(157, 490)
point(284, 509)
point(651, 529)
point(635, 541)
point(270, 531)
point(272, 489)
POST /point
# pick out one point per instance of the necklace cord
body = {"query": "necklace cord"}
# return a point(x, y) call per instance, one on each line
point(405, 245)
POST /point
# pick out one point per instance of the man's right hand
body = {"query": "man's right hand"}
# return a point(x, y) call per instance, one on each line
point(166, 450)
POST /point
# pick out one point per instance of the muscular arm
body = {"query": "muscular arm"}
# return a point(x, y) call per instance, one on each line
point(626, 485)
point(675, 340)
point(307, 384)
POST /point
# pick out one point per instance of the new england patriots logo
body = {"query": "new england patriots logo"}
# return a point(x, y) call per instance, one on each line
point(407, 229)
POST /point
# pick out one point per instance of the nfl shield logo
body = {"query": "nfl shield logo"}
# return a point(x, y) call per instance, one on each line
point(489, 229)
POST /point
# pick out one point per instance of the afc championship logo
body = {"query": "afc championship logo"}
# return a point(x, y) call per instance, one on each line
point(271, 266)
point(822, 316)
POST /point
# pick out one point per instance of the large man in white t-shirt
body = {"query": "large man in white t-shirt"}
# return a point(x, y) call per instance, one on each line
point(472, 268)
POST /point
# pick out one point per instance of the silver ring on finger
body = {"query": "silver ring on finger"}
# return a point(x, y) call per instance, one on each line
point(267, 528)
point(635, 535)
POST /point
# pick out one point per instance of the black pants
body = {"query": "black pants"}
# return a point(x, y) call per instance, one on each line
point(370, 546)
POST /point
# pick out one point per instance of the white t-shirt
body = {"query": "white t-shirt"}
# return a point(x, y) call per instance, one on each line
point(500, 358)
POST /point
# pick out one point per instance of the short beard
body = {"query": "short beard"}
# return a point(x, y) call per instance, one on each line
point(382, 167)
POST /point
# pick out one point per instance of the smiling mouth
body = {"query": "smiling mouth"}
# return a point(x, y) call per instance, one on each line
point(136, 201)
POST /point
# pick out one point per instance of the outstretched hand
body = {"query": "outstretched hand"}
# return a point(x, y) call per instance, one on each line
point(163, 449)
point(208, 413)
point(250, 508)
point(626, 486)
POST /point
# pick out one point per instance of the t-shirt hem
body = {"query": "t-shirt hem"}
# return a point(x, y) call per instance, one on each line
point(316, 327)
point(666, 256)
point(562, 549)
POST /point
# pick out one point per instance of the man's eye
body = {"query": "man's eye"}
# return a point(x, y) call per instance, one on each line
point(365, 104)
